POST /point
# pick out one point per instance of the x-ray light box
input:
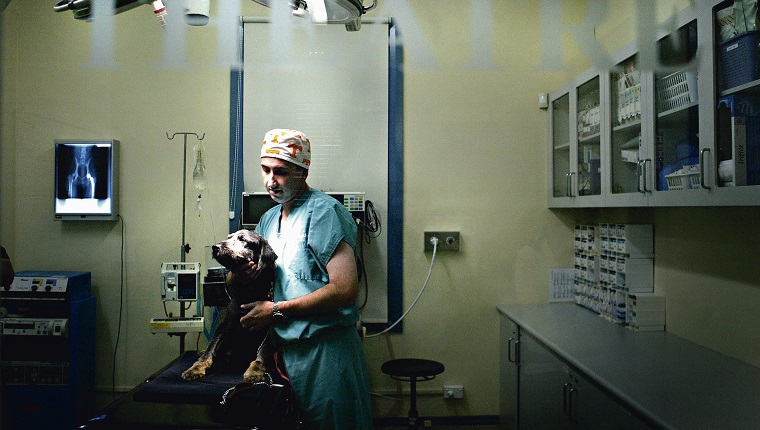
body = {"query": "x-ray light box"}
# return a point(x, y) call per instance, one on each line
point(86, 180)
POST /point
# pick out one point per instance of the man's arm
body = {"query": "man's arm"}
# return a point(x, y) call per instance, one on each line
point(342, 290)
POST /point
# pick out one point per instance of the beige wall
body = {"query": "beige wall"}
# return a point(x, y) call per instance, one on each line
point(474, 161)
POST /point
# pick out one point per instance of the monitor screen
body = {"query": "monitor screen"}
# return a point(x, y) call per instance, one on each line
point(86, 180)
point(257, 203)
point(254, 206)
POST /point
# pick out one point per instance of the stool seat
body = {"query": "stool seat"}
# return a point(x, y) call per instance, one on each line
point(411, 370)
point(412, 367)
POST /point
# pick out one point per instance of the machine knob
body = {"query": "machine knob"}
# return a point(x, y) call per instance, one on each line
point(48, 288)
point(34, 287)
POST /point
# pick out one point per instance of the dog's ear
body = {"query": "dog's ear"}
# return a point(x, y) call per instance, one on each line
point(267, 256)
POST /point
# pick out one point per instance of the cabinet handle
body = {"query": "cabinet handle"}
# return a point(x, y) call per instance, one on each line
point(513, 344)
point(517, 352)
point(638, 177)
point(567, 185)
point(565, 398)
point(648, 160)
point(702, 163)
point(572, 189)
point(571, 401)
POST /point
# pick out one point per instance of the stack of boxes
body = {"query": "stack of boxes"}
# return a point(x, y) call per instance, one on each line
point(614, 274)
point(586, 249)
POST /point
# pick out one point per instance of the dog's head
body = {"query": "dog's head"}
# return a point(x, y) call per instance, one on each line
point(241, 247)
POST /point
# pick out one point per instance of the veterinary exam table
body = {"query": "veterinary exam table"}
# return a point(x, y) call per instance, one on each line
point(166, 401)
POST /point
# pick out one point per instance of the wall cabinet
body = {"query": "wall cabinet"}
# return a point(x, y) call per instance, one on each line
point(575, 116)
point(682, 132)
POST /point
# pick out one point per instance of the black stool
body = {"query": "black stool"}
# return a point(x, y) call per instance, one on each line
point(411, 370)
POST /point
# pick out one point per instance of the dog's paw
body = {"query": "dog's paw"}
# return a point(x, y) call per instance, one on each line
point(255, 373)
point(195, 372)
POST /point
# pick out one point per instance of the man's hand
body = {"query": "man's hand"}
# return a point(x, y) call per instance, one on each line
point(259, 315)
point(244, 274)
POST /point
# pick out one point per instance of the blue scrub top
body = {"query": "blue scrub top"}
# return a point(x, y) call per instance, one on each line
point(311, 234)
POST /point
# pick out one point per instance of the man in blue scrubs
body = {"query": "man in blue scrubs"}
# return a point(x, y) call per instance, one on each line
point(314, 312)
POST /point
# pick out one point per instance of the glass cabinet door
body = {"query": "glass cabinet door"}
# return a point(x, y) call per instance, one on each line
point(561, 176)
point(589, 116)
point(737, 114)
point(627, 154)
point(676, 143)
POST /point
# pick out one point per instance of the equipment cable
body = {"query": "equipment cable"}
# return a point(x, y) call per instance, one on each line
point(121, 307)
point(433, 241)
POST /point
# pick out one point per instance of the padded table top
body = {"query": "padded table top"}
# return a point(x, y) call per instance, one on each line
point(169, 387)
point(166, 401)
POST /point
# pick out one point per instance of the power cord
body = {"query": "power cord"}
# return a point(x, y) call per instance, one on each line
point(369, 228)
point(371, 224)
point(121, 307)
point(434, 242)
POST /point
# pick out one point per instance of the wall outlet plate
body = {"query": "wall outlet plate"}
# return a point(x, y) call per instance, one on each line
point(453, 392)
point(447, 240)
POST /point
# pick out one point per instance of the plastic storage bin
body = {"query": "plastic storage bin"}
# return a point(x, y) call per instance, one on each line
point(739, 60)
point(676, 90)
point(684, 179)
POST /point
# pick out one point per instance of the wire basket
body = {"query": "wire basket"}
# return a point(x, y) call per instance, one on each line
point(676, 90)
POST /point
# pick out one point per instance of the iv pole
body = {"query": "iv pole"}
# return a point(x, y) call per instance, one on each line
point(185, 248)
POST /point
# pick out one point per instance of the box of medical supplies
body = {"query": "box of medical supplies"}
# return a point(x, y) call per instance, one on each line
point(739, 137)
point(739, 60)
point(645, 312)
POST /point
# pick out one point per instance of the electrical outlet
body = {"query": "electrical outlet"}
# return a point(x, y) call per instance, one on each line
point(453, 392)
point(447, 240)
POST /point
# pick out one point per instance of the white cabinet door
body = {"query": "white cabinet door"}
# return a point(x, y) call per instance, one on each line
point(560, 191)
point(630, 143)
point(576, 115)
point(732, 105)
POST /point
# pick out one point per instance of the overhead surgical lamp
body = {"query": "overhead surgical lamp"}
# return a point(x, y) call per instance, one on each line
point(348, 12)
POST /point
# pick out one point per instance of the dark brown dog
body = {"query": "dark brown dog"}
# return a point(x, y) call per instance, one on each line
point(232, 346)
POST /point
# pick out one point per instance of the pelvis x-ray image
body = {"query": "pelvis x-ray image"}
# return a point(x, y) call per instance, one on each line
point(82, 172)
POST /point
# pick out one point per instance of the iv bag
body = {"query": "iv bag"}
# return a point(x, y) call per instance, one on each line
point(199, 171)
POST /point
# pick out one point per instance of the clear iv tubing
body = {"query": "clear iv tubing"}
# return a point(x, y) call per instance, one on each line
point(434, 241)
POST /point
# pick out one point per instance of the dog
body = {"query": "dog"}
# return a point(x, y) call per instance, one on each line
point(232, 346)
